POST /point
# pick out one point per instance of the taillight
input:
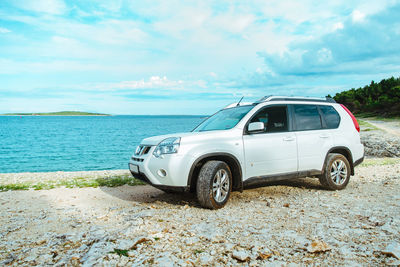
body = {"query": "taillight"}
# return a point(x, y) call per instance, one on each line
point(352, 117)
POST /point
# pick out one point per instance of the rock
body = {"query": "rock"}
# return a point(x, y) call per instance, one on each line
point(318, 246)
point(392, 262)
point(132, 253)
point(191, 240)
point(264, 256)
point(96, 251)
point(9, 259)
point(41, 242)
point(388, 228)
point(393, 250)
point(207, 231)
point(138, 241)
point(165, 259)
point(241, 256)
point(206, 259)
point(47, 258)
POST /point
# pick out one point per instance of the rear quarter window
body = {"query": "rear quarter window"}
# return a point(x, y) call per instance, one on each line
point(331, 116)
point(307, 117)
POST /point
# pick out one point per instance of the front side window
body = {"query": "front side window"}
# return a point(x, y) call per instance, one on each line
point(274, 119)
point(331, 116)
point(224, 119)
point(307, 117)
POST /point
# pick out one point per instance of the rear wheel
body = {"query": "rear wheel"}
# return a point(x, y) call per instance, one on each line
point(336, 174)
point(214, 184)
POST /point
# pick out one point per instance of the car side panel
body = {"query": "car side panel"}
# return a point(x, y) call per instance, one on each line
point(312, 148)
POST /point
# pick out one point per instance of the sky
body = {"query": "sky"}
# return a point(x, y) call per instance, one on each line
point(188, 57)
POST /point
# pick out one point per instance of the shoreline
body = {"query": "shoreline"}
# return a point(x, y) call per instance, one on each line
point(45, 176)
point(49, 180)
point(109, 178)
point(368, 159)
point(55, 115)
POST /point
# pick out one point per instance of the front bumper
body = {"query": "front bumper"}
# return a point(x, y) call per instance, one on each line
point(142, 177)
point(169, 170)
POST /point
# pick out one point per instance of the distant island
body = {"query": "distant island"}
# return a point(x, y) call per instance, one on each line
point(59, 113)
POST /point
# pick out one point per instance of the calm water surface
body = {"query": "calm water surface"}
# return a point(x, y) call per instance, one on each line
point(68, 143)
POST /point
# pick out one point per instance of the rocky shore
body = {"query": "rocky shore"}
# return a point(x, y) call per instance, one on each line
point(29, 177)
point(291, 223)
point(381, 139)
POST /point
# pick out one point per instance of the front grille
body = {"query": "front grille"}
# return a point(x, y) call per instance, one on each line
point(137, 159)
point(142, 150)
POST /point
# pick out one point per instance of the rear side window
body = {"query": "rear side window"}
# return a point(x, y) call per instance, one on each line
point(331, 117)
point(307, 117)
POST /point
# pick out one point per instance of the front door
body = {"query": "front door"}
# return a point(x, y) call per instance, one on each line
point(274, 150)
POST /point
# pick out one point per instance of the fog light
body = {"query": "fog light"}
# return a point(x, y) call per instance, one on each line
point(162, 172)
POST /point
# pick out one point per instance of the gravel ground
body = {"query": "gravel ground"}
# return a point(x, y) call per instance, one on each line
point(290, 223)
point(284, 224)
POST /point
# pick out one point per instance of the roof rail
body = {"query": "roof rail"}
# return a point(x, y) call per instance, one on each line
point(295, 98)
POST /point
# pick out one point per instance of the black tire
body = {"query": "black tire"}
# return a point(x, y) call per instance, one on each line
point(337, 172)
point(209, 174)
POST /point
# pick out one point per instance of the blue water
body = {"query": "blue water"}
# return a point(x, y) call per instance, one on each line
point(78, 143)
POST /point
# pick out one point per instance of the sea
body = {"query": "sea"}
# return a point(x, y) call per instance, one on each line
point(79, 143)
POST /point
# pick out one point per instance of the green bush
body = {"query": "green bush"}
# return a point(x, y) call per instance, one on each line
point(376, 99)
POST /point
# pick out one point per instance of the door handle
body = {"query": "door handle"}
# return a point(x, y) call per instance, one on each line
point(324, 136)
point(289, 138)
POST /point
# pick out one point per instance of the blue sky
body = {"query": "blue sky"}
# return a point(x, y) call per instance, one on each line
point(188, 57)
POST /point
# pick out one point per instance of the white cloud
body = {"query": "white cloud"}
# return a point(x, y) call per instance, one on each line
point(153, 82)
point(154, 85)
point(55, 7)
point(337, 26)
point(234, 23)
point(357, 16)
point(4, 30)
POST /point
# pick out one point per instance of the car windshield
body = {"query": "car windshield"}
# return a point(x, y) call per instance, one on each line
point(224, 119)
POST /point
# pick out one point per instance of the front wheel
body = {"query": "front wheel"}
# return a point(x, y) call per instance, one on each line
point(336, 174)
point(214, 184)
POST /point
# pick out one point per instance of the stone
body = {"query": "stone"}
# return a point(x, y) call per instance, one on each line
point(241, 256)
point(392, 250)
point(318, 246)
point(392, 262)
point(9, 259)
point(206, 259)
point(388, 228)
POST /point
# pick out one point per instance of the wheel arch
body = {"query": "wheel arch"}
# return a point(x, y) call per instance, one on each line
point(229, 159)
point(343, 151)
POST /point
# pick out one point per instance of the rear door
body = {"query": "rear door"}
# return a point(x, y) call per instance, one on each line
point(274, 150)
point(313, 138)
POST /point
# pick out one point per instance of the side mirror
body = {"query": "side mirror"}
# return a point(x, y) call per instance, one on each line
point(255, 127)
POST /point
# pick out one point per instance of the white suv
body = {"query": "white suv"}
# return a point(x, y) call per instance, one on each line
point(249, 144)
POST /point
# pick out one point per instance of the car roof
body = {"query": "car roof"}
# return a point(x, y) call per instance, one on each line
point(294, 98)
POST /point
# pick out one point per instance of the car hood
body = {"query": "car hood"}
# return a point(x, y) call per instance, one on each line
point(155, 140)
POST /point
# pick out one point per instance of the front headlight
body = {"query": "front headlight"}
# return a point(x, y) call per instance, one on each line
point(167, 146)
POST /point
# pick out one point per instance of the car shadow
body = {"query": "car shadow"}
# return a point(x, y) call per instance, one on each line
point(146, 194)
point(307, 183)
